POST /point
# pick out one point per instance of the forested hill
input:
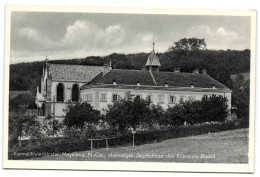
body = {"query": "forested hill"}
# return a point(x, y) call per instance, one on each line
point(219, 64)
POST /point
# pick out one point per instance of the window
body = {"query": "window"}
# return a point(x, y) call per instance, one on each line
point(60, 92)
point(161, 98)
point(89, 97)
point(193, 98)
point(40, 89)
point(149, 98)
point(75, 92)
point(115, 97)
point(43, 110)
point(172, 99)
point(103, 97)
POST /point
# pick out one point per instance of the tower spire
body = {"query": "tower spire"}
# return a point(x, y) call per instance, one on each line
point(153, 63)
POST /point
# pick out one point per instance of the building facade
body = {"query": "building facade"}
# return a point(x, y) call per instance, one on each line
point(101, 86)
point(60, 86)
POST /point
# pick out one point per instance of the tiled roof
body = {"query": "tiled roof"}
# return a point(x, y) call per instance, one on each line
point(130, 77)
point(147, 87)
point(74, 72)
point(186, 79)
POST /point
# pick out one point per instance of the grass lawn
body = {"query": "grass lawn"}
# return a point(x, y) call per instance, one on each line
point(222, 147)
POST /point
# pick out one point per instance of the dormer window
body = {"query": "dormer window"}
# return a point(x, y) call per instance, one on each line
point(114, 82)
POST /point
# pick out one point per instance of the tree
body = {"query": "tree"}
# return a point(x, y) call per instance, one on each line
point(81, 115)
point(240, 98)
point(22, 99)
point(127, 113)
point(191, 111)
point(214, 108)
point(22, 123)
point(189, 44)
point(172, 116)
point(155, 115)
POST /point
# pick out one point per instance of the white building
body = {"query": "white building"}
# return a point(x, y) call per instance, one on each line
point(100, 86)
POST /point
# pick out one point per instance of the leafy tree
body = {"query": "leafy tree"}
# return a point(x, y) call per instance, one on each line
point(214, 108)
point(127, 113)
point(81, 115)
point(189, 44)
point(155, 116)
point(22, 99)
point(191, 111)
point(172, 116)
point(240, 98)
point(22, 123)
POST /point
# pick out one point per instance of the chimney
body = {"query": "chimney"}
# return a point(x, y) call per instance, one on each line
point(138, 83)
point(191, 85)
point(114, 82)
point(176, 70)
point(204, 71)
point(166, 84)
point(110, 66)
point(196, 71)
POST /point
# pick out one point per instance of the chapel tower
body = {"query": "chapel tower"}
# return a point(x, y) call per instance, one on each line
point(152, 63)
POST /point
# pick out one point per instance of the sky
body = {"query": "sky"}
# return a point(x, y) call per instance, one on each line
point(37, 35)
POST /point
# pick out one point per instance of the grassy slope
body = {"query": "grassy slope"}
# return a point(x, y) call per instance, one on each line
point(224, 147)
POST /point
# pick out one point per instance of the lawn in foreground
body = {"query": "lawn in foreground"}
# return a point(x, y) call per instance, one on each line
point(222, 147)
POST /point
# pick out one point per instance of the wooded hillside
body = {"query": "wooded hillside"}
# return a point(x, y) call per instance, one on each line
point(219, 64)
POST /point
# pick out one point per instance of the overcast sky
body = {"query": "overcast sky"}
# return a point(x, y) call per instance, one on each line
point(35, 35)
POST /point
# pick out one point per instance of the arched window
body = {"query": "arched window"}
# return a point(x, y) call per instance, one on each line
point(75, 92)
point(43, 110)
point(60, 92)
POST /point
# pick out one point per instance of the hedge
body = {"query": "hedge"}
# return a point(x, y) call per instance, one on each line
point(34, 148)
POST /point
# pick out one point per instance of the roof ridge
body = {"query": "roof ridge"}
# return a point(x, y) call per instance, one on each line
point(153, 77)
point(73, 65)
point(178, 72)
point(129, 69)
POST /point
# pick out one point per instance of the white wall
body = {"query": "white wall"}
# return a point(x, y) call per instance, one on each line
point(97, 104)
point(59, 106)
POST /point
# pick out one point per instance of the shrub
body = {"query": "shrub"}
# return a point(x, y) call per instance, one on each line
point(209, 109)
point(128, 113)
point(81, 115)
point(214, 108)
point(62, 145)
